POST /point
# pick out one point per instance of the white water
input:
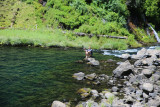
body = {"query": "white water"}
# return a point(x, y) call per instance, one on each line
point(155, 33)
point(118, 53)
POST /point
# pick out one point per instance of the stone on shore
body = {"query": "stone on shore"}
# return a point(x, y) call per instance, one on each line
point(147, 87)
point(123, 69)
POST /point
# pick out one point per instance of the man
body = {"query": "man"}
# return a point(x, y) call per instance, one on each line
point(89, 52)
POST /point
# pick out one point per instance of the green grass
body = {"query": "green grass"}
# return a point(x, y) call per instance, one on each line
point(48, 37)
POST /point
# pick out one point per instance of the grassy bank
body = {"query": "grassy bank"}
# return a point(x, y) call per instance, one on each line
point(48, 38)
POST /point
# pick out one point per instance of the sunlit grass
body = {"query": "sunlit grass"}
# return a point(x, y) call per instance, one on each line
point(48, 37)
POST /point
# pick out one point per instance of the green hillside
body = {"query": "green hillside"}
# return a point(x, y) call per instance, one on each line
point(126, 18)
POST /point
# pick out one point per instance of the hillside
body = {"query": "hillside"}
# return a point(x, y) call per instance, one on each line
point(126, 18)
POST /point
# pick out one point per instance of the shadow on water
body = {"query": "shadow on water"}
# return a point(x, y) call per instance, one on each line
point(37, 76)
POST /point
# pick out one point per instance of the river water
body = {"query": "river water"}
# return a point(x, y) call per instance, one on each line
point(34, 77)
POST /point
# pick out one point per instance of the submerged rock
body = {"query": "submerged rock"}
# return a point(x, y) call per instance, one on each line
point(79, 76)
point(91, 76)
point(123, 69)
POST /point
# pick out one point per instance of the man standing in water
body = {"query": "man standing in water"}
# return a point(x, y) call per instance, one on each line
point(89, 52)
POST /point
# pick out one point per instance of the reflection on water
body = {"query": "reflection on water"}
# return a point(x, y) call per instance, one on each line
point(35, 76)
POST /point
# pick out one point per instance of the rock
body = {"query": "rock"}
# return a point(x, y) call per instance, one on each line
point(154, 102)
point(145, 95)
point(91, 76)
point(123, 69)
point(104, 103)
point(140, 54)
point(109, 95)
point(144, 62)
point(79, 76)
point(92, 61)
point(103, 77)
point(139, 92)
point(119, 103)
point(91, 103)
point(147, 72)
point(128, 100)
point(147, 87)
point(58, 104)
point(84, 92)
point(125, 56)
point(94, 94)
point(137, 104)
point(155, 77)
point(114, 89)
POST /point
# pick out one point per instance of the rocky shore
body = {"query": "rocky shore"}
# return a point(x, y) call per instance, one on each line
point(132, 85)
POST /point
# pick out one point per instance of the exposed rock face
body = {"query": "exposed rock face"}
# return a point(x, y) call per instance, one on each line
point(123, 69)
point(79, 76)
point(58, 104)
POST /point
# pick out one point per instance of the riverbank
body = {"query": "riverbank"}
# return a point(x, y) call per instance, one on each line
point(50, 38)
point(138, 83)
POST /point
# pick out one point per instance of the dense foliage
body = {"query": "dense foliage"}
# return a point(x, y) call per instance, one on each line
point(107, 17)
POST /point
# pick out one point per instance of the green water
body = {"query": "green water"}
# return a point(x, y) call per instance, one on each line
point(34, 77)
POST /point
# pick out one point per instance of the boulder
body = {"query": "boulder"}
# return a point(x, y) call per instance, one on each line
point(147, 87)
point(140, 54)
point(123, 69)
point(79, 76)
point(144, 62)
point(154, 102)
point(58, 104)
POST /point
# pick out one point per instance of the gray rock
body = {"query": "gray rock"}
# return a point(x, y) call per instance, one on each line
point(147, 72)
point(109, 95)
point(145, 95)
point(79, 76)
point(91, 76)
point(94, 94)
point(92, 61)
point(123, 69)
point(114, 89)
point(125, 56)
point(95, 62)
point(144, 62)
point(154, 102)
point(155, 77)
point(91, 103)
point(119, 103)
point(137, 104)
point(58, 104)
point(139, 92)
point(147, 87)
point(140, 54)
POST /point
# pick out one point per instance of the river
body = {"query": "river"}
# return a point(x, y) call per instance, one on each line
point(31, 77)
